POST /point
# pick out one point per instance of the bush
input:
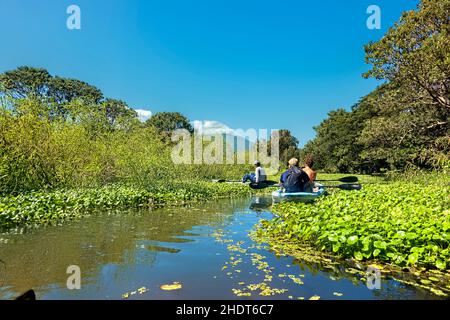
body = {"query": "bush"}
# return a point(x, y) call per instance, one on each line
point(38, 151)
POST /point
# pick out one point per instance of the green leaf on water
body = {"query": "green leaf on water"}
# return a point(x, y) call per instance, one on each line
point(376, 252)
point(352, 240)
point(380, 244)
point(413, 258)
point(358, 255)
point(441, 264)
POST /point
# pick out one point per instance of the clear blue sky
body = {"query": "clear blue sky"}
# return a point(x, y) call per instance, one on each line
point(247, 64)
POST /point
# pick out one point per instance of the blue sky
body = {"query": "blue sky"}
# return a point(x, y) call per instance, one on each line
point(246, 64)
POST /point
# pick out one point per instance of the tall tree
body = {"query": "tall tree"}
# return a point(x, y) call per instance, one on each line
point(415, 52)
point(167, 122)
point(288, 146)
point(117, 112)
point(404, 122)
point(64, 90)
point(25, 82)
point(413, 127)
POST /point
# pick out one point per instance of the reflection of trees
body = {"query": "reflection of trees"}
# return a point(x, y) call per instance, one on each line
point(390, 289)
point(261, 203)
point(39, 257)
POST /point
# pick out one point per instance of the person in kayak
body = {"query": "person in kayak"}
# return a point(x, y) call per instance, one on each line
point(258, 176)
point(309, 163)
point(284, 175)
point(296, 179)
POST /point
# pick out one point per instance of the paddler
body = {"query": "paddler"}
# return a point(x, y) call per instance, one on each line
point(258, 176)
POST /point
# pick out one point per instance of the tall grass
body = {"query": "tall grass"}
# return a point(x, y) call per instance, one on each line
point(41, 152)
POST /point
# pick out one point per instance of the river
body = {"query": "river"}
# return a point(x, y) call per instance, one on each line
point(204, 247)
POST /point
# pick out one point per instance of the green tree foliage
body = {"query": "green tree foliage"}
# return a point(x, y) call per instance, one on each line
point(25, 82)
point(414, 56)
point(167, 122)
point(405, 122)
point(63, 90)
point(28, 82)
point(117, 112)
point(288, 146)
point(334, 147)
point(62, 133)
point(415, 52)
point(65, 98)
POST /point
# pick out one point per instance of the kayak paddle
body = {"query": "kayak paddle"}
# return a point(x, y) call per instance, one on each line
point(346, 186)
point(350, 179)
point(263, 185)
point(223, 181)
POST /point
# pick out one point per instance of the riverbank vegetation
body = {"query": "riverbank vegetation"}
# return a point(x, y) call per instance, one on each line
point(44, 207)
point(76, 144)
point(403, 223)
point(66, 149)
point(400, 220)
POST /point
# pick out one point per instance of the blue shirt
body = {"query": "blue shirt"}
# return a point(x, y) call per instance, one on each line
point(284, 176)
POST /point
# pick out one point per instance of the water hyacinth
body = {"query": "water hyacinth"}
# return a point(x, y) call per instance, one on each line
point(48, 207)
point(400, 223)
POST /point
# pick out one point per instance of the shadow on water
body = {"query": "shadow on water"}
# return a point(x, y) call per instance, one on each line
point(197, 245)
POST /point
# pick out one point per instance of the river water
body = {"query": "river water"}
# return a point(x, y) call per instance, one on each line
point(205, 248)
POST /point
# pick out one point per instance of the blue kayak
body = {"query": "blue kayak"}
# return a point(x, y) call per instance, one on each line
point(298, 196)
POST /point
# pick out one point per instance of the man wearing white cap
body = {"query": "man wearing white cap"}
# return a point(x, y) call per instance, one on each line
point(258, 176)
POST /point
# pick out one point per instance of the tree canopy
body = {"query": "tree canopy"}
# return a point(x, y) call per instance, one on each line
point(167, 122)
point(65, 99)
point(288, 146)
point(404, 122)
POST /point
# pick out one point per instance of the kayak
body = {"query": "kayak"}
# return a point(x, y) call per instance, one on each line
point(279, 195)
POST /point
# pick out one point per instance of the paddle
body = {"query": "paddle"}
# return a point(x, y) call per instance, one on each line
point(27, 296)
point(262, 185)
point(223, 181)
point(350, 179)
point(346, 186)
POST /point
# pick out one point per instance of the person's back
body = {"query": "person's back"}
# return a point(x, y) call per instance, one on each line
point(256, 177)
point(260, 174)
point(310, 172)
point(284, 176)
point(310, 187)
point(295, 180)
point(309, 163)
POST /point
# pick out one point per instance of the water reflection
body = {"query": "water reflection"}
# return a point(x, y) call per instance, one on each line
point(39, 257)
point(118, 253)
point(261, 203)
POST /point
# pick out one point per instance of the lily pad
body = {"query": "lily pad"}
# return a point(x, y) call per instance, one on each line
point(171, 287)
